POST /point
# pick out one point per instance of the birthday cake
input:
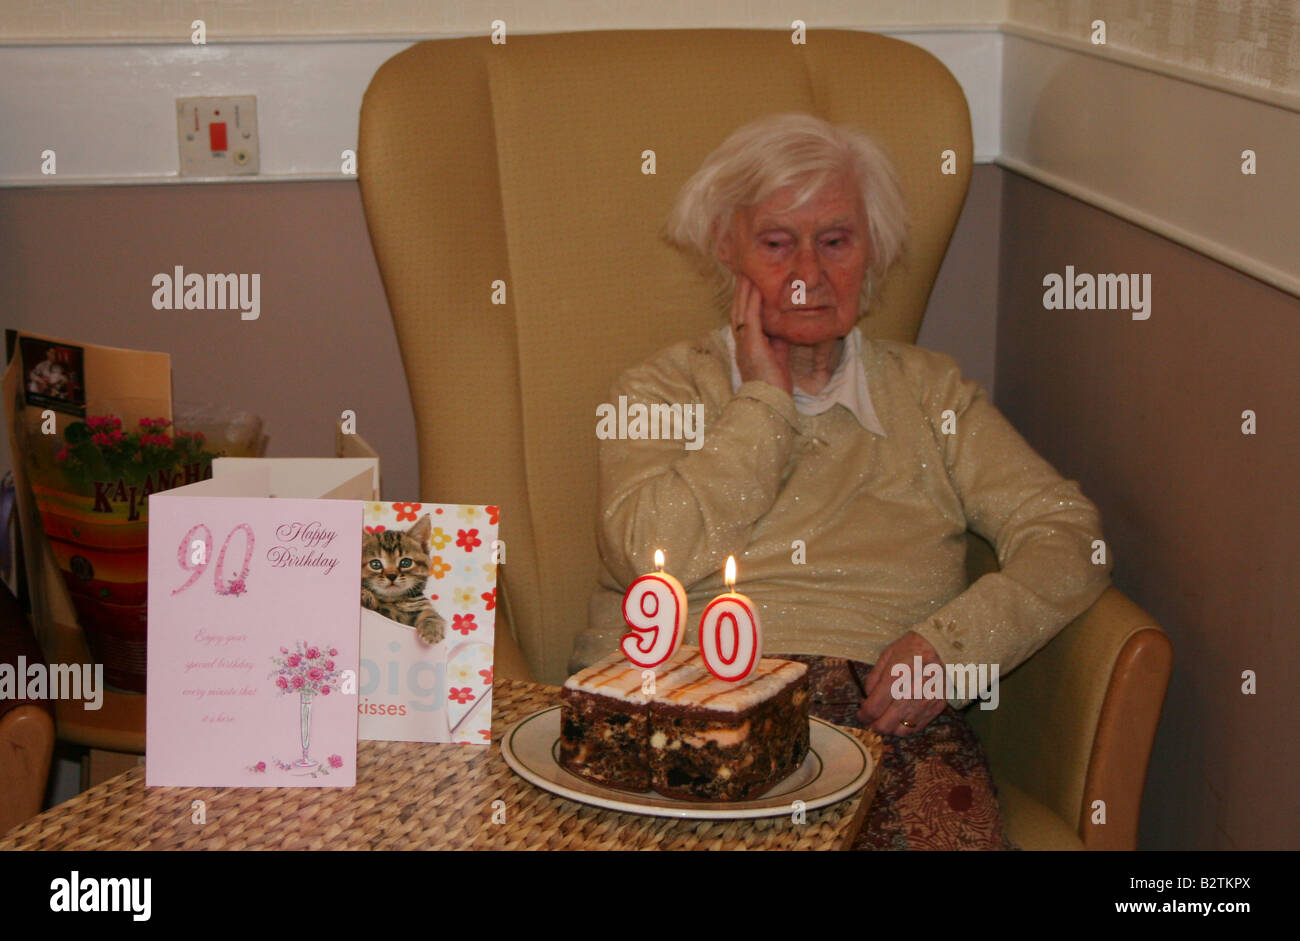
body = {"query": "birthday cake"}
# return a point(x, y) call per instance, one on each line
point(689, 735)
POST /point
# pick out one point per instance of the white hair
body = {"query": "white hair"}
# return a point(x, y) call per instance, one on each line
point(787, 150)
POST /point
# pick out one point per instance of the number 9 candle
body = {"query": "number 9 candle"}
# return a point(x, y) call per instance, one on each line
point(731, 641)
point(655, 608)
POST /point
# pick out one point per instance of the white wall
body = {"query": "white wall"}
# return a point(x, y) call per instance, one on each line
point(1256, 42)
point(108, 110)
point(168, 20)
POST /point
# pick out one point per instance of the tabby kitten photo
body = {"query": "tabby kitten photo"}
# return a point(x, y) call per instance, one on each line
point(394, 568)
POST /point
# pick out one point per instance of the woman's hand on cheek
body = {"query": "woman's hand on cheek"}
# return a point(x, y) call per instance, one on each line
point(880, 710)
point(757, 356)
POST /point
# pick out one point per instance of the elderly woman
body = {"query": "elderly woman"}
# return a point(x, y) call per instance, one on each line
point(842, 472)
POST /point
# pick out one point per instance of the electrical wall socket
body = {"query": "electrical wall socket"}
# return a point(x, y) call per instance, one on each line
point(218, 136)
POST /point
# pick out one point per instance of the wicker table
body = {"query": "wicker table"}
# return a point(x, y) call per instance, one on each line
point(412, 796)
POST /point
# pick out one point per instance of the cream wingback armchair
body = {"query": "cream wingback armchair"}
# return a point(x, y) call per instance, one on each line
point(515, 194)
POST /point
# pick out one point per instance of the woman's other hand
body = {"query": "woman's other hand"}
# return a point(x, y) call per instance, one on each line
point(890, 716)
point(757, 356)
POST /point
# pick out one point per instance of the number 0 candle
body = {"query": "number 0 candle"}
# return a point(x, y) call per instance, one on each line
point(655, 608)
point(731, 641)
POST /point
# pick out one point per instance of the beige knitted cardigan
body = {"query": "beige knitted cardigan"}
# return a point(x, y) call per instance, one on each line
point(845, 539)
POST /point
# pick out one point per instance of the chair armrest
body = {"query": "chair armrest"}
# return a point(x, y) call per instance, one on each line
point(26, 749)
point(26, 725)
point(1121, 752)
point(1075, 722)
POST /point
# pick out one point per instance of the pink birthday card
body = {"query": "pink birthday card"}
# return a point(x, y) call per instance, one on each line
point(254, 636)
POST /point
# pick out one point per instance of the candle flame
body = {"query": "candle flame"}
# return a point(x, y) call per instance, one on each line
point(730, 575)
point(659, 559)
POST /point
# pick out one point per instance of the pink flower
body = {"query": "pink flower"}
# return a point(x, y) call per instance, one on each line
point(461, 696)
point(293, 660)
point(261, 766)
point(101, 439)
point(284, 650)
point(329, 664)
point(467, 539)
point(463, 623)
point(297, 682)
point(324, 690)
point(315, 674)
point(313, 653)
point(281, 682)
point(333, 652)
point(336, 761)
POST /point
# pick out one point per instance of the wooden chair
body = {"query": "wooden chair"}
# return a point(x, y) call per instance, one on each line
point(26, 726)
point(514, 195)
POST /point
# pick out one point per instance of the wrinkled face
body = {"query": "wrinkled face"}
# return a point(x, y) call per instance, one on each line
point(824, 243)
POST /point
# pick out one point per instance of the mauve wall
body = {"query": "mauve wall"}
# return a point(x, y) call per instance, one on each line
point(79, 262)
point(1203, 520)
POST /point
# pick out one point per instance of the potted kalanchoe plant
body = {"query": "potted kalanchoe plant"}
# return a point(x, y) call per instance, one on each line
point(97, 523)
point(114, 465)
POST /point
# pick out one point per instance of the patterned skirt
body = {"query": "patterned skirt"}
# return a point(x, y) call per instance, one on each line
point(935, 790)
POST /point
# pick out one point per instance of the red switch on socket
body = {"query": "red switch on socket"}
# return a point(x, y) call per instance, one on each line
point(217, 136)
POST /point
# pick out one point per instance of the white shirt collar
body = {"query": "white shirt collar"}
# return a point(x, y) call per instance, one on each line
point(847, 386)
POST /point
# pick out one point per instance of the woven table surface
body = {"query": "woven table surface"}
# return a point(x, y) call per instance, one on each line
point(413, 796)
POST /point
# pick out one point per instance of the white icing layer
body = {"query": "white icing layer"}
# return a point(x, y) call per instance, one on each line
point(615, 677)
point(683, 680)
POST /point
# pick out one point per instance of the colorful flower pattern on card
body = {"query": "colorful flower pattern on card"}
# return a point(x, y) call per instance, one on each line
point(407, 512)
point(450, 697)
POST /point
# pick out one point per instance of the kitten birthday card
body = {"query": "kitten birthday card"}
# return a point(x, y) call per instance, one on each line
point(254, 627)
point(428, 598)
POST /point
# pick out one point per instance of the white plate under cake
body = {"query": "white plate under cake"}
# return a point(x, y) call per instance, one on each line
point(837, 767)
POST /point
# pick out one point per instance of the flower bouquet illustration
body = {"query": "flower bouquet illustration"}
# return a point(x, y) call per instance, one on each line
point(306, 672)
